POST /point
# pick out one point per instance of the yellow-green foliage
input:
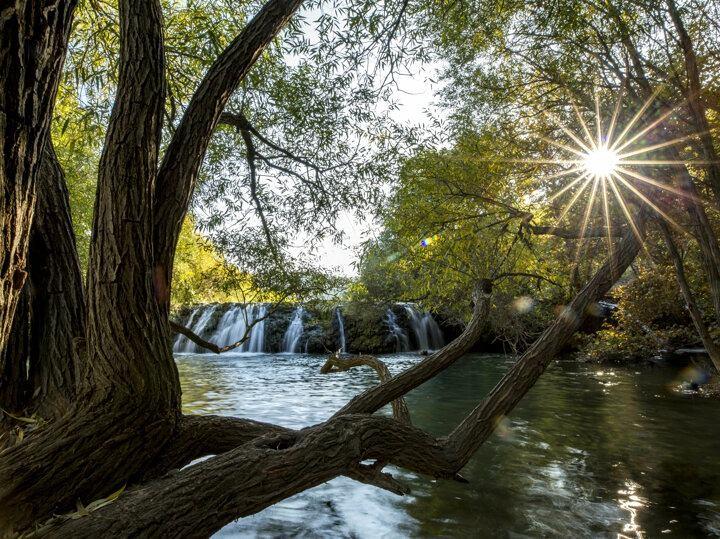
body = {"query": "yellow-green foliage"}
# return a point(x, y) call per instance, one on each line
point(77, 138)
point(457, 218)
point(201, 275)
point(650, 316)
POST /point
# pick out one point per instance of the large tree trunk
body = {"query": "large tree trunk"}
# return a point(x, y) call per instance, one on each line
point(58, 307)
point(129, 357)
point(129, 391)
point(49, 322)
point(33, 41)
point(128, 394)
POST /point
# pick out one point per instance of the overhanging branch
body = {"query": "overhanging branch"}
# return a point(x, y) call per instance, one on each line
point(185, 152)
point(335, 363)
point(197, 339)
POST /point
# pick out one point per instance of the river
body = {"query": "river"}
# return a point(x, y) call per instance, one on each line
point(590, 452)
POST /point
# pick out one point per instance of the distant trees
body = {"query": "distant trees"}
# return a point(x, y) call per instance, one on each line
point(516, 75)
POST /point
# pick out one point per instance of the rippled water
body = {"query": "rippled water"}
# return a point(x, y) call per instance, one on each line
point(589, 452)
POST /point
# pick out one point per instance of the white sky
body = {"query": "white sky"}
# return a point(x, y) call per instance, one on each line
point(415, 97)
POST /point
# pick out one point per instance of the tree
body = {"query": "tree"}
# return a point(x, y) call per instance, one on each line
point(121, 424)
point(534, 64)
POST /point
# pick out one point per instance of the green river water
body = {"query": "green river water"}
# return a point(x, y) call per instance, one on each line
point(590, 452)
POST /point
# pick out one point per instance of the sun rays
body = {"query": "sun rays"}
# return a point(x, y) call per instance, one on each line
point(612, 170)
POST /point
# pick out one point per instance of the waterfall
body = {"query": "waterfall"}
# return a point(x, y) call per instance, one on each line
point(428, 334)
point(234, 324)
point(294, 332)
point(230, 328)
point(197, 322)
point(401, 339)
point(341, 329)
point(256, 343)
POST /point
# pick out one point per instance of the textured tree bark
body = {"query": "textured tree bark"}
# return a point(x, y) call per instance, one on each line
point(125, 425)
point(129, 391)
point(50, 318)
point(128, 395)
point(128, 352)
point(58, 306)
point(14, 385)
point(33, 41)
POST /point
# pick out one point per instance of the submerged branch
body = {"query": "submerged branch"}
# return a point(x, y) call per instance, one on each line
point(335, 363)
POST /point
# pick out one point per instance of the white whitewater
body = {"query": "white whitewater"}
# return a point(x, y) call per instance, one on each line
point(199, 320)
point(402, 343)
point(341, 330)
point(234, 323)
point(230, 328)
point(428, 334)
point(291, 340)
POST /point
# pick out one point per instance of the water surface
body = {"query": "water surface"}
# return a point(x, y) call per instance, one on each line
point(590, 451)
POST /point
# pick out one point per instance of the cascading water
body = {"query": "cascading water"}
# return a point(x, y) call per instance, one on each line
point(402, 343)
point(230, 328)
point(234, 324)
point(181, 341)
point(198, 321)
point(341, 330)
point(428, 334)
point(294, 332)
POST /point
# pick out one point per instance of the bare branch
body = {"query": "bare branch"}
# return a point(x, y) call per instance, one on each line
point(598, 232)
point(526, 274)
point(197, 339)
point(251, 155)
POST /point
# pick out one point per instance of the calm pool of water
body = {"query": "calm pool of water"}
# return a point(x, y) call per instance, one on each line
point(590, 451)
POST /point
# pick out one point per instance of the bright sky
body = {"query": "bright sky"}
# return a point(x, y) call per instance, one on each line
point(415, 96)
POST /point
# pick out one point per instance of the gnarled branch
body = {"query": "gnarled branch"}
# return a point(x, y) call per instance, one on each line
point(336, 363)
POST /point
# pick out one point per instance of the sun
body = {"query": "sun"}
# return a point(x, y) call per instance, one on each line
point(601, 162)
point(605, 164)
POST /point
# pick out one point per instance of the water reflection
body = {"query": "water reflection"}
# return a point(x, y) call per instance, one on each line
point(588, 452)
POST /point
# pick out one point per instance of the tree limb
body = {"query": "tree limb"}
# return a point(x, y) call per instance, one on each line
point(197, 339)
point(179, 169)
point(598, 232)
point(251, 154)
point(335, 363)
point(375, 398)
